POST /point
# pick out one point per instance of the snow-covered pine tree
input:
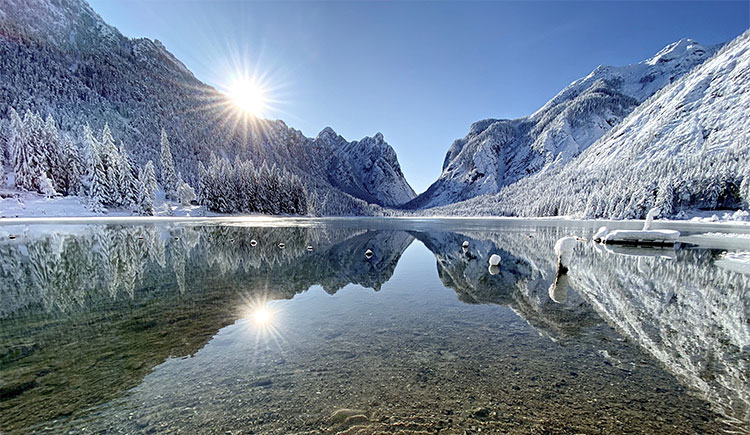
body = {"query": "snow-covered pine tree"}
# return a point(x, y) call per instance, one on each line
point(14, 136)
point(144, 204)
point(127, 182)
point(150, 182)
point(299, 196)
point(110, 160)
point(146, 190)
point(274, 190)
point(98, 185)
point(27, 155)
point(168, 173)
point(665, 197)
point(202, 180)
point(286, 185)
point(51, 154)
point(72, 167)
point(264, 188)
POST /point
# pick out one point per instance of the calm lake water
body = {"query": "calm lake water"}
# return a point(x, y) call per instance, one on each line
point(199, 329)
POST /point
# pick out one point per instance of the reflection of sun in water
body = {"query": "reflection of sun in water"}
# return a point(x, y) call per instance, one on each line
point(262, 321)
point(262, 316)
point(249, 96)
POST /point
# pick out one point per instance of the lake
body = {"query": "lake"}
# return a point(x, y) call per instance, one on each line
point(277, 327)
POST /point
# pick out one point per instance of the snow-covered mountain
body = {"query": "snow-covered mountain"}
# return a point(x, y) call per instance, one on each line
point(59, 57)
point(686, 147)
point(498, 152)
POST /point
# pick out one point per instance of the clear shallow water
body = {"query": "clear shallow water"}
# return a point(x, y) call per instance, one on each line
point(160, 328)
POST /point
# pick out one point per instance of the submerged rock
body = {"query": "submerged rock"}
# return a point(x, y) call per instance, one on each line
point(351, 416)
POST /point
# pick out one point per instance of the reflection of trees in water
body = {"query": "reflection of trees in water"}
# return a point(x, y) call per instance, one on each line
point(63, 271)
point(182, 284)
point(131, 297)
point(66, 272)
point(687, 313)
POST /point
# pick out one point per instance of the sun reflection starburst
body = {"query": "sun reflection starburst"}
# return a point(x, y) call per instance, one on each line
point(262, 318)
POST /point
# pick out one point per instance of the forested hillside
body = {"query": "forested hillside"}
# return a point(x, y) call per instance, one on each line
point(60, 59)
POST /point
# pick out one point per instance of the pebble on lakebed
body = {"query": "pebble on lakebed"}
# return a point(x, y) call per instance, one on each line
point(349, 416)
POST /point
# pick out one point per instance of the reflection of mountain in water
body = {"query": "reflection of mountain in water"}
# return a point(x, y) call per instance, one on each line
point(521, 284)
point(122, 299)
point(680, 308)
point(687, 313)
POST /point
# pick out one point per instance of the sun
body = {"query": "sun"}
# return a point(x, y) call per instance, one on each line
point(262, 316)
point(249, 97)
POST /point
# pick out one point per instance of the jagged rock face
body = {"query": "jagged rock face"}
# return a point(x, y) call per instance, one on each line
point(60, 57)
point(367, 169)
point(498, 152)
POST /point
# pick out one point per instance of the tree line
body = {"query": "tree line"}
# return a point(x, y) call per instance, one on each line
point(39, 158)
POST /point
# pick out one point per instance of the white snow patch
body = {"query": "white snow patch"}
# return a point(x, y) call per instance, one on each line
point(738, 262)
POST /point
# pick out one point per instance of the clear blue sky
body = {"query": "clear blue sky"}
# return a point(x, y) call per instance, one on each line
point(418, 72)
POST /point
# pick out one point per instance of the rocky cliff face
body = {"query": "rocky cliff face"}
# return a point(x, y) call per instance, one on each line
point(498, 152)
point(367, 169)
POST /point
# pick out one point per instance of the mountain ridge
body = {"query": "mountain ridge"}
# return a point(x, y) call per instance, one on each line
point(684, 148)
point(498, 152)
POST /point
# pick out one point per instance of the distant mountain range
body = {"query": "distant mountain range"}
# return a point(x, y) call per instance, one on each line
point(670, 130)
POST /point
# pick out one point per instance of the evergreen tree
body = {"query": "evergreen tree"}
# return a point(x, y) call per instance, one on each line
point(202, 179)
point(72, 169)
point(665, 197)
point(14, 136)
point(27, 156)
point(745, 186)
point(51, 161)
point(127, 179)
point(146, 190)
point(144, 202)
point(98, 183)
point(168, 174)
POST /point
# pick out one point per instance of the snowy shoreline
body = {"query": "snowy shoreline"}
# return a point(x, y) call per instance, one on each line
point(684, 225)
